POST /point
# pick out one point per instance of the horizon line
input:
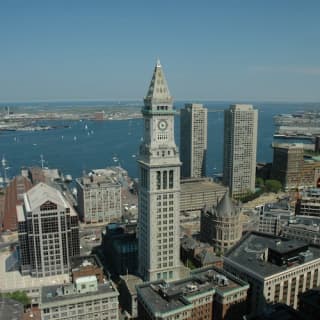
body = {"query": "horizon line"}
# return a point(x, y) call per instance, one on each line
point(176, 100)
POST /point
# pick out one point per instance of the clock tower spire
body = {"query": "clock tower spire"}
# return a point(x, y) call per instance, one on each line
point(159, 185)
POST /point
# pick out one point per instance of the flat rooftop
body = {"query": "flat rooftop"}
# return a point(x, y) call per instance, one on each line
point(131, 281)
point(249, 250)
point(200, 185)
point(165, 297)
point(83, 261)
point(13, 280)
point(49, 294)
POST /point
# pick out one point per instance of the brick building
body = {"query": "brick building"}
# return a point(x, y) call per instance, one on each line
point(13, 197)
point(209, 293)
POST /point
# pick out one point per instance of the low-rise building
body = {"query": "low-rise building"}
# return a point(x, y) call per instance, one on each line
point(198, 253)
point(308, 203)
point(199, 192)
point(209, 293)
point(128, 295)
point(13, 197)
point(279, 220)
point(82, 266)
point(305, 228)
point(276, 268)
point(99, 196)
point(84, 299)
point(273, 215)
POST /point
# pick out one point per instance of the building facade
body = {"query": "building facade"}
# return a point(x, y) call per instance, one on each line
point(208, 293)
point(308, 203)
point(48, 232)
point(240, 149)
point(220, 225)
point(287, 164)
point(159, 185)
point(199, 192)
point(276, 268)
point(84, 299)
point(193, 140)
point(99, 197)
point(120, 248)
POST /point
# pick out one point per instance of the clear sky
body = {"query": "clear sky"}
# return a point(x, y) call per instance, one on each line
point(210, 50)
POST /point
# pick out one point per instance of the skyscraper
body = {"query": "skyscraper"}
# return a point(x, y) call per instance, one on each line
point(48, 232)
point(159, 189)
point(193, 140)
point(240, 149)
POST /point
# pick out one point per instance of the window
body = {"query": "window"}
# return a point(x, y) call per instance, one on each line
point(170, 179)
point(158, 180)
point(165, 180)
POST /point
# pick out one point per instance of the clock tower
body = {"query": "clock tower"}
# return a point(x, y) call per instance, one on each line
point(159, 185)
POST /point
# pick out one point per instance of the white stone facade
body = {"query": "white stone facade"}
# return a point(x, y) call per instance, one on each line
point(99, 198)
point(80, 301)
point(193, 140)
point(240, 149)
point(159, 186)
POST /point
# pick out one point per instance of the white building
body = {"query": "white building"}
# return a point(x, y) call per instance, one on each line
point(193, 140)
point(99, 196)
point(276, 268)
point(159, 185)
point(83, 300)
point(240, 148)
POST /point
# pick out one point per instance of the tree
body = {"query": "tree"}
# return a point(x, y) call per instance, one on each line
point(273, 186)
point(259, 182)
point(19, 296)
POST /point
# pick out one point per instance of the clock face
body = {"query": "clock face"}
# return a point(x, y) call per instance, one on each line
point(162, 124)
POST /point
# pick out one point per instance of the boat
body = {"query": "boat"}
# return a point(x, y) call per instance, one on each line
point(68, 178)
point(75, 138)
point(86, 127)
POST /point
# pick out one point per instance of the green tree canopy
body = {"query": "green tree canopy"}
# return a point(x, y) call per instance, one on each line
point(19, 296)
point(273, 185)
point(259, 182)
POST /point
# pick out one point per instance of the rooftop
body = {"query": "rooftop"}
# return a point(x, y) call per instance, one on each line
point(41, 193)
point(108, 176)
point(83, 261)
point(13, 280)
point(289, 146)
point(255, 251)
point(200, 185)
point(131, 281)
point(162, 297)
point(52, 294)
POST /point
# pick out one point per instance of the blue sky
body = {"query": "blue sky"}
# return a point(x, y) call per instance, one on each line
point(210, 50)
